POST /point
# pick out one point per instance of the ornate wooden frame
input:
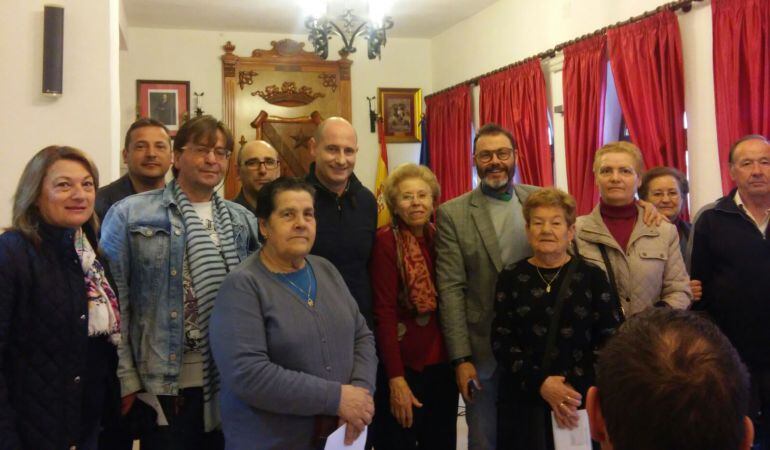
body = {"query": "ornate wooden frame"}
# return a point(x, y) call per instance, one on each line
point(285, 56)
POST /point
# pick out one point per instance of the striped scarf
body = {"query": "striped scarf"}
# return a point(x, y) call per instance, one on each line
point(208, 268)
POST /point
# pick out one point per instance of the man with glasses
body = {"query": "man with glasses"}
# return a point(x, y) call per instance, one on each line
point(168, 251)
point(479, 233)
point(147, 155)
point(258, 164)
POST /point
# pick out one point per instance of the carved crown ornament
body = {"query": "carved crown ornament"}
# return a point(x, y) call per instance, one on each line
point(288, 94)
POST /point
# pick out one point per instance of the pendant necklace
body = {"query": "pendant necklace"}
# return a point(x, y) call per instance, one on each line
point(307, 292)
point(548, 283)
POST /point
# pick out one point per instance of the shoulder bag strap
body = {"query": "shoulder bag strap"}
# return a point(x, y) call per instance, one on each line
point(611, 275)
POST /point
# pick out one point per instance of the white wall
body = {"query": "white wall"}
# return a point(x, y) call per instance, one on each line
point(194, 55)
point(85, 116)
point(511, 30)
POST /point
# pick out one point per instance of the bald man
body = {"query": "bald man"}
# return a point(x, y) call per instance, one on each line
point(346, 211)
point(258, 164)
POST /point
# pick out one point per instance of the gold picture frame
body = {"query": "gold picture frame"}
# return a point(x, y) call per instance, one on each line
point(401, 111)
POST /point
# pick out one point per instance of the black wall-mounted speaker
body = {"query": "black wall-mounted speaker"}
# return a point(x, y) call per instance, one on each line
point(53, 50)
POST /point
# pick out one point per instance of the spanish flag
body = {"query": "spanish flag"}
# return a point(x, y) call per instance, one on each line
point(383, 215)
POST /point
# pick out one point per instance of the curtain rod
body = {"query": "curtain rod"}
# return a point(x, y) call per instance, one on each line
point(684, 5)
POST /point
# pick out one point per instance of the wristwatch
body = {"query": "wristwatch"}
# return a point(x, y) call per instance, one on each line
point(458, 361)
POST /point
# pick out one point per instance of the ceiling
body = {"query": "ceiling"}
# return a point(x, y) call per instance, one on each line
point(412, 18)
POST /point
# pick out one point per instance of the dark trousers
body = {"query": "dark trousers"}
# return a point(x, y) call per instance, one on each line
point(185, 431)
point(435, 424)
point(523, 425)
point(185, 425)
point(760, 407)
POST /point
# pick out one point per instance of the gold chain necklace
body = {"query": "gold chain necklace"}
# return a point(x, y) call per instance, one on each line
point(548, 284)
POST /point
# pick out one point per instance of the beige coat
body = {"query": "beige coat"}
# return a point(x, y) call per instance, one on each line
point(649, 271)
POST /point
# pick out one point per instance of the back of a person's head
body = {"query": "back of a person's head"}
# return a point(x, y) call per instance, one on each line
point(669, 379)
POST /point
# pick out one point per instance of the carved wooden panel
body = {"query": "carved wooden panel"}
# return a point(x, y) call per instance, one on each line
point(289, 89)
point(291, 138)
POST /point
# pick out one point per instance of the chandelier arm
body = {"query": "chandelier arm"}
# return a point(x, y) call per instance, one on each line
point(357, 32)
point(347, 43)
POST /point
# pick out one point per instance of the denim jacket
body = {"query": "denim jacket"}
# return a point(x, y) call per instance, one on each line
point(143, 240)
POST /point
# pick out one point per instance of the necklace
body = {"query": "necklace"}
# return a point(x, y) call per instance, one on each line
point(548, 283)
point(307, 292)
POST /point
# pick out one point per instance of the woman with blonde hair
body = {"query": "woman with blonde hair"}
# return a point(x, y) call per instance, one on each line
point(643, 263)
point(59, 317)
point(417, 408)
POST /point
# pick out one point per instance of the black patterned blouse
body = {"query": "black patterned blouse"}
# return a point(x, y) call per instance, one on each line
point(523, 311)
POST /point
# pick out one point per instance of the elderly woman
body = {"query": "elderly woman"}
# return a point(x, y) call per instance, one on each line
point(59, 317)
point(643, 262)
point(417, 408)
point(666, 188)
point(291, 346)
point(552, 313)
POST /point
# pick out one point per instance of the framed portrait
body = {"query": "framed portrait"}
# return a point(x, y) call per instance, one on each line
point(400, 109)
point(166, 101)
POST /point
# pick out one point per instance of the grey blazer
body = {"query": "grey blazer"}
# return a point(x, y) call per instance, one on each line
point(468, 262)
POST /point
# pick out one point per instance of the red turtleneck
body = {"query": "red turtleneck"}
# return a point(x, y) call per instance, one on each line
point(620, 220)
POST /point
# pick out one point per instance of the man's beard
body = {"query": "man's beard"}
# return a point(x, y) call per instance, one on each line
point(497, 183)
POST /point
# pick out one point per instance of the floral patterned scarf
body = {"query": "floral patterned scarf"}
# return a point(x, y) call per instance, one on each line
point(420, 292)
point(103, 310)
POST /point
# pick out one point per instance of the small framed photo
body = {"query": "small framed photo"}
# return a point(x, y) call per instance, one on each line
point(166, 101)
point(400, 109)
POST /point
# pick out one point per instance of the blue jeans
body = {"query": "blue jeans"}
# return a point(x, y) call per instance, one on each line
point(481, 415)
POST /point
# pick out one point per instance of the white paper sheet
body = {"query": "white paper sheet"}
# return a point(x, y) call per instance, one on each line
point(575, 439)
point(336, 440)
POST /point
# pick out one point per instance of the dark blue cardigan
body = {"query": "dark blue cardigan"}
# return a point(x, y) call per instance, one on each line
point(53, 377)
point(732, 259)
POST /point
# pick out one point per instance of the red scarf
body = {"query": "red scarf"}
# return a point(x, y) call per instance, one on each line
point(419, 295)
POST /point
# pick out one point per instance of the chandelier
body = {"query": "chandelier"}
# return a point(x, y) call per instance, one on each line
point(323, 28)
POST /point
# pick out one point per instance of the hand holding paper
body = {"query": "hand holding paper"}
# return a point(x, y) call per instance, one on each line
point(578, 438)
point(336, 440)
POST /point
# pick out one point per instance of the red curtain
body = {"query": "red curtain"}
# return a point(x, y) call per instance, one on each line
point(515, 99)
point(449, 139)
point(646, 60)
point(741, 33)
point(585, 85)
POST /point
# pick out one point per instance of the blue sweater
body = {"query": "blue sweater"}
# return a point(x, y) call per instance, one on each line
point(281, 361)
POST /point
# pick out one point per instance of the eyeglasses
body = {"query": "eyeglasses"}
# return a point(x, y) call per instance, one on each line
point(201, 151)
point(254, 163)
point(503, 154)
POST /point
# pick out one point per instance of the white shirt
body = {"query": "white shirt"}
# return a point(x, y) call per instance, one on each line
point(761, 225)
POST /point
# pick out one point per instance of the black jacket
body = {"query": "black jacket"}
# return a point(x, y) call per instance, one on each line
point(732, 259)
point(345, 229)
point(111, 194)
point(53, 378)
